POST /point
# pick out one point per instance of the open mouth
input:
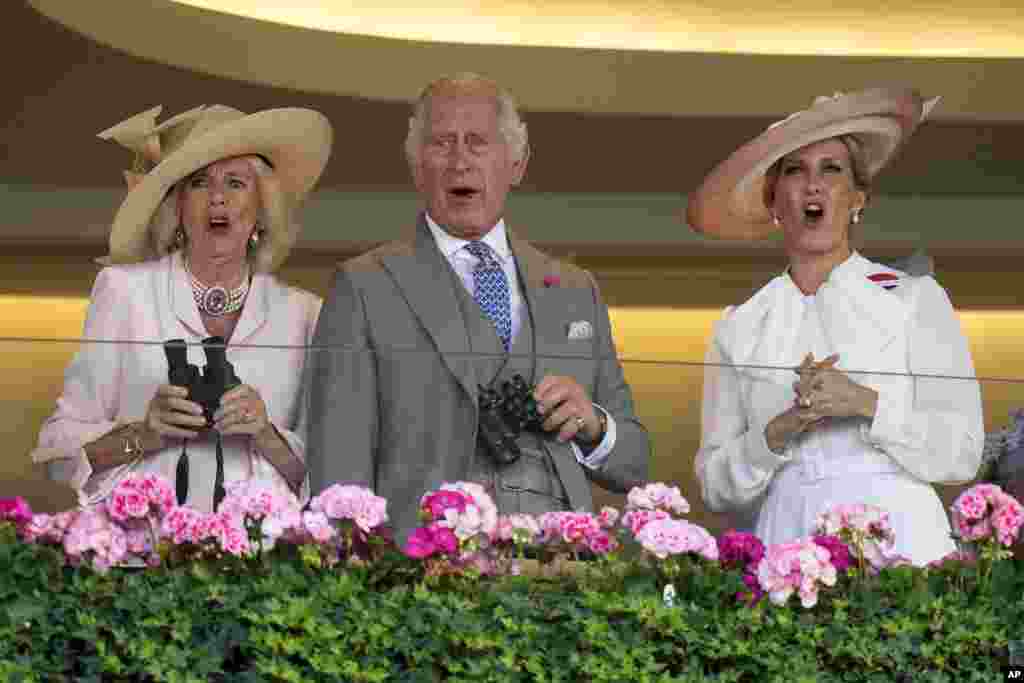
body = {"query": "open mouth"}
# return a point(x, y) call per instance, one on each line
point(813, 212)
point(463, 192)
point(219, 223)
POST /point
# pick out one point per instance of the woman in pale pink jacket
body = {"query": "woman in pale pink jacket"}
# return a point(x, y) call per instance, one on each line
point(192, 251)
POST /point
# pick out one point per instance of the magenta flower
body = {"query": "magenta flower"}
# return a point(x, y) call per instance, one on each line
point(431, 540)
point(840, 554)
point(435, 504)
point(446, 540)
point(601, 542)
point(15, 510)
point(740, 550)
point(552, 280)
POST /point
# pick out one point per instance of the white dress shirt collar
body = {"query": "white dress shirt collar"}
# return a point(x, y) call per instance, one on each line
point(496, 239)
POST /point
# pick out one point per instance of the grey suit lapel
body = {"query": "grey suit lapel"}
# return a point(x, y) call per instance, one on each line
point(426, 282)
point(533, 268)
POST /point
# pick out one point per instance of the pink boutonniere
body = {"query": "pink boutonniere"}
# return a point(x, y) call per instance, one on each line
point(552, 280)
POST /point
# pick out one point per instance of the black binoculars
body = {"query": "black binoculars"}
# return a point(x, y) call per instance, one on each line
point(504, 415)
point(206, 387)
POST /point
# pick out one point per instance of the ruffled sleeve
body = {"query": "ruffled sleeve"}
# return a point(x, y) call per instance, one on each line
point(734, 464)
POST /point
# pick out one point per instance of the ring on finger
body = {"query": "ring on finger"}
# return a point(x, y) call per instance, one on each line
point(580, 422)
point(806, 402)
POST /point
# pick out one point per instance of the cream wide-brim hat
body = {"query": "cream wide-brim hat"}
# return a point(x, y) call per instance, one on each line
point(296, 142)
point(730, 203)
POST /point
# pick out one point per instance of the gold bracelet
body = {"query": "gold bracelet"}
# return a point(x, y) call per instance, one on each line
point(131, 444)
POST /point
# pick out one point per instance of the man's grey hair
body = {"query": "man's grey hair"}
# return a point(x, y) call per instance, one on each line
point(509, 121)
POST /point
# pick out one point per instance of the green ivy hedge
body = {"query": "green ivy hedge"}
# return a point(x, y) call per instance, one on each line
point(284, 620)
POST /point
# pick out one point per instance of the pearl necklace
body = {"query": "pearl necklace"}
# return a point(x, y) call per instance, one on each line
point(217, 301)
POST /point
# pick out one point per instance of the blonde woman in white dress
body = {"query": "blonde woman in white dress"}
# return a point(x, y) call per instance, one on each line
point(856, 424)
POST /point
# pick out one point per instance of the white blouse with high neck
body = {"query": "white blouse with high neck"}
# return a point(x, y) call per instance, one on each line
point(899, 337)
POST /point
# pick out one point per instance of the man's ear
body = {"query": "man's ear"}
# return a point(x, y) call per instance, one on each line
point(519, 167)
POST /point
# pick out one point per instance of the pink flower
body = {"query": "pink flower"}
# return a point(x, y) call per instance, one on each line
point(986, 511)
point(183, 525)
point(635, 520)
point(865, 529)
point(571, 528)
point(15, 510)
point(608, 517)
point(657, 496)
point(601, 542)
point(43, 528)
point(139, 497)
point(318, 526)
point(552, 280)
point(482, 500)
point(93, 538)
point(664, 537)
point(461, 518)
point(349, 502)
point(518, 528)
point(234, 540)
point(963, 556)
point(801, 566)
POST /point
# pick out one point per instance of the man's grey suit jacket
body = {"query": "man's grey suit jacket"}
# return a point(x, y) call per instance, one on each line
point(393, 391)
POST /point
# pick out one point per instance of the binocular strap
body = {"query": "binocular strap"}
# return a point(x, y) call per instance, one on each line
point(181, 476)
point(218, 479)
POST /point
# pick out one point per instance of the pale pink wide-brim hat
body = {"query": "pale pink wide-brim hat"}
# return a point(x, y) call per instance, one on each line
point(296, 142)
point(730, 203)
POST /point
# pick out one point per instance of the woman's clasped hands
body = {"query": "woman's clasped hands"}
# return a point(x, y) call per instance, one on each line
point(823, 391)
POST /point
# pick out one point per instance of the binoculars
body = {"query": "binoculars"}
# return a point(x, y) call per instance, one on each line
point(204, 387)
point(506, 413)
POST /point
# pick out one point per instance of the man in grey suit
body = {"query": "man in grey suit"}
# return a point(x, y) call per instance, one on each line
point(414, 328)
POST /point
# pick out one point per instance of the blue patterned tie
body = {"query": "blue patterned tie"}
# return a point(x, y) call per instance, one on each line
point(490, 290)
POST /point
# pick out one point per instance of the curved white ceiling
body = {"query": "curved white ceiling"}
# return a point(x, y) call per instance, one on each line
point(906, 28)
point(648, 57)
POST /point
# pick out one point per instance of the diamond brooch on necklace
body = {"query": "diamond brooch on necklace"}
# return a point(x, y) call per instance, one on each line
point(215, 300)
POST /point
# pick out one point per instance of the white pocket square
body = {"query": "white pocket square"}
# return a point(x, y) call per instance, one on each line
point(579, 330)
